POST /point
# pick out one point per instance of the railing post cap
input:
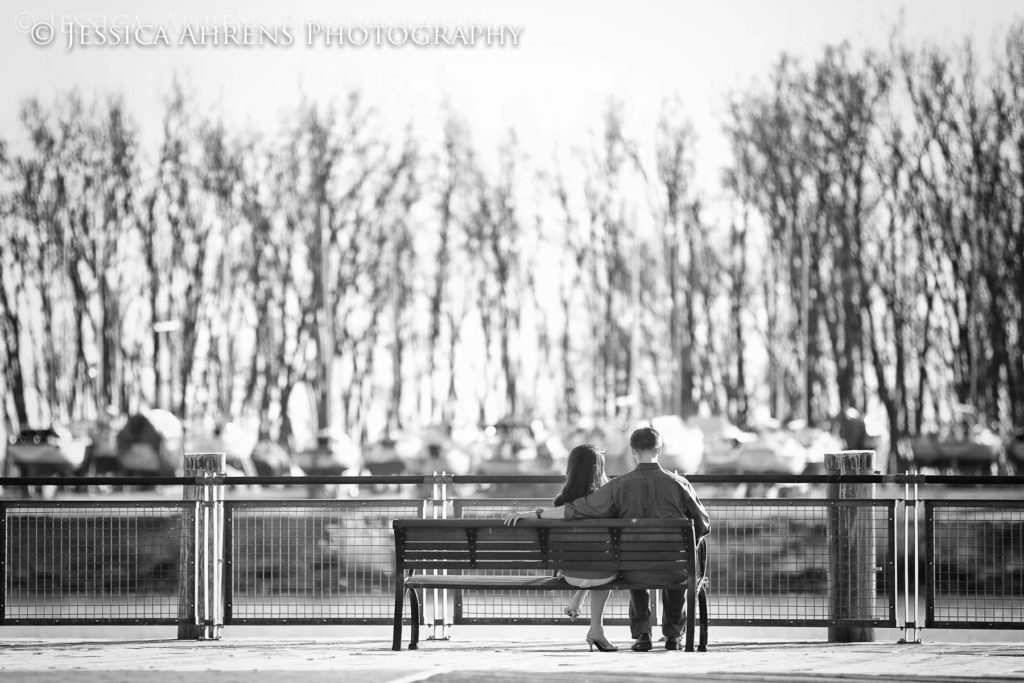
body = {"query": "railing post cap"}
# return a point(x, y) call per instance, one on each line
point(205, 462)
point(850, 462)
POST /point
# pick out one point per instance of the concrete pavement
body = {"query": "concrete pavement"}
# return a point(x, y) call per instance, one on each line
point(477, 655)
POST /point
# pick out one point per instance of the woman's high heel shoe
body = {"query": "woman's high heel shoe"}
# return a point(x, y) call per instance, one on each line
point(601, 644)
point(572, 613)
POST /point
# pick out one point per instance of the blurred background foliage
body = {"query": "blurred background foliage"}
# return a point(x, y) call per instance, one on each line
point(871, 256)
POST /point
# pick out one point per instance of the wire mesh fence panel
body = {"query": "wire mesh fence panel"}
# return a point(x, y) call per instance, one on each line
point(975, 564)
point(328, 561)
point(776, 562)
point(497, 606)
point(73, 562)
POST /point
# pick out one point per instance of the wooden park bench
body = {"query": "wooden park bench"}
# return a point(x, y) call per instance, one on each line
point(458, 553)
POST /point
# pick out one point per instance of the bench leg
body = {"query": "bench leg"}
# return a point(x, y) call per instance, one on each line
point(414, 606)
point(702, 599)
point(396, 636)
point(691, 609)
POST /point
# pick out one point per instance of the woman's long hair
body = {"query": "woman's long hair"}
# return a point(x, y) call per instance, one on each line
point(584, 473)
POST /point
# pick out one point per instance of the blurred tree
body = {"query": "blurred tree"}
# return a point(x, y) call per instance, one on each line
point(405, 281)
point(614, 174)
point(181, 267)
point(12, 279)
point(675, 140)
point(455, 168)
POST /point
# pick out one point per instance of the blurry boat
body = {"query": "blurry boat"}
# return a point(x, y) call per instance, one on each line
point(151, 444)
point(443, 449)
point(509, 448)
point(271, 460)
point(392, 455)
point(334, 453)
point(52, 451)
point(722, 450)
point(773, 452)
point(978, 454)
point(966, 446)
point(770, 451)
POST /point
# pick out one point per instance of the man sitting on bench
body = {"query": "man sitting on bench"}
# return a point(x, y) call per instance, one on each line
point(647, 492)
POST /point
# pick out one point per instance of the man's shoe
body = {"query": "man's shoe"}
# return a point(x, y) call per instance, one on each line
point(643, 643)
point(673, 643)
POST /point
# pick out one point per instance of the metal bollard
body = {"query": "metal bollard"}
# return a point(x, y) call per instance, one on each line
point(852, 580)
point(200, 595)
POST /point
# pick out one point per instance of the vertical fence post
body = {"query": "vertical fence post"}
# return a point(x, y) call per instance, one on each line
point(200, 614)
point(438, 597)
point(229, 558)
point(447, 604)
point(851, 548)
point(3, 562)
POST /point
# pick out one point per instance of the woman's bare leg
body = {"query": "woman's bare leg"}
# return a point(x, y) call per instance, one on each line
point(573, 608)
point(598, 600)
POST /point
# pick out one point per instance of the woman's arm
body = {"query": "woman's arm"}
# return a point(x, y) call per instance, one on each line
point(539, 513)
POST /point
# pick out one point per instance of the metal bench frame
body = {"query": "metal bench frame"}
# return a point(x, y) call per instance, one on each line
point(446, 553)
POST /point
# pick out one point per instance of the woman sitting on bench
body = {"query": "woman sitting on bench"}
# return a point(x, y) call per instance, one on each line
point(584, 474)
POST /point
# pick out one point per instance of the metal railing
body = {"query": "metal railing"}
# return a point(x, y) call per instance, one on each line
point(770, 567)
point(773, 561)
point(311, 561)
point(975, 570)
point(92, 562)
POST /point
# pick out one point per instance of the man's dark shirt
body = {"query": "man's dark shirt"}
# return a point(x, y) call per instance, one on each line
point(646, 492)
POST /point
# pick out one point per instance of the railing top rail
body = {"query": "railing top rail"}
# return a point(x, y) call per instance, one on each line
point(1003, 480)
point(940, 479)
point(799, 502)
point(605, 523)
point(32, 504)
point(215, 479)
point(367, 503)
point(974, 503)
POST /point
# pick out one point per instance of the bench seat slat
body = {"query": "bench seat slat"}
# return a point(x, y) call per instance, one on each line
point(666, 536)
point(631, 564)
point(508, 565)
point(435, 535)
point(484, 582)
point(673, 553)
point(506, 553)
point(466, 566)
point(417, 555)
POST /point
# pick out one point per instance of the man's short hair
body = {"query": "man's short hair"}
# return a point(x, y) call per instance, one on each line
point(645, 439)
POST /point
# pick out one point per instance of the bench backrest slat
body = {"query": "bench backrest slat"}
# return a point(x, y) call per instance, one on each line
point(595, 545)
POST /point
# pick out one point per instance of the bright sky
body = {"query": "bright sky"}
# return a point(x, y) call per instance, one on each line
point(572, 56)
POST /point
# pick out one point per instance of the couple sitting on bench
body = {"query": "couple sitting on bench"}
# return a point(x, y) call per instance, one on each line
point(647, 492)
